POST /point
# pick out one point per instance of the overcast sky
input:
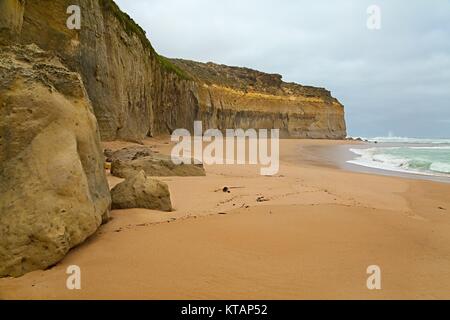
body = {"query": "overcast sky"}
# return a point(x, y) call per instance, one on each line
point(396, 79)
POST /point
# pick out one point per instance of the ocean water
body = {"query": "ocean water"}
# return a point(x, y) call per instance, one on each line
point(411, 155)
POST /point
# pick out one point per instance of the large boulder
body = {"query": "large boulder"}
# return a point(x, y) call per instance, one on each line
point(141, 191)
point(129, 153)
point(129, 161)
point(53, 189)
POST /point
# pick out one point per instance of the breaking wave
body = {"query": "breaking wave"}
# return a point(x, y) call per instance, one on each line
point(428, 160)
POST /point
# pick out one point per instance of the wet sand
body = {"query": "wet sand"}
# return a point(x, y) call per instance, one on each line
point(314, 237)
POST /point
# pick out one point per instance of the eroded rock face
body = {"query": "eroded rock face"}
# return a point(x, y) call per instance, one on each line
point(129, 161)
point(136, 93)
point(140, 191)
point(234, 97)
point(130, 153)
point(11, 19)
point(53, 189)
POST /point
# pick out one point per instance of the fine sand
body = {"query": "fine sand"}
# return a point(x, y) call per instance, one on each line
point(314, 236)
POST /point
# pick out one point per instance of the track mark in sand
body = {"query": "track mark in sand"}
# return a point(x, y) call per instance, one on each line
point(134, 227)
point(415, 216)
point(262, 199)
point(223, 202)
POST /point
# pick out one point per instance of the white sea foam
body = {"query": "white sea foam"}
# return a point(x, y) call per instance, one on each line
point(429, 160)
point(409, 140)
point(440, 167)
point(431, 148)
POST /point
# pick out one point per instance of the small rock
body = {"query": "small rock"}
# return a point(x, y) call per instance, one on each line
point(141, 191)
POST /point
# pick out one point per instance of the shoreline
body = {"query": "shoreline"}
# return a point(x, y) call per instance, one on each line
point(337, 156)
point(314, 237)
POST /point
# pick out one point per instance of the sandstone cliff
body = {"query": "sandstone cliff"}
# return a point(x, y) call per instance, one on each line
point(53, 189)
point(11, 18)
point(137, 93)
point(232, 97)
point(61, 90)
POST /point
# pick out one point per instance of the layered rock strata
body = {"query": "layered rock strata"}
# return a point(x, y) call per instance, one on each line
point(137, 93)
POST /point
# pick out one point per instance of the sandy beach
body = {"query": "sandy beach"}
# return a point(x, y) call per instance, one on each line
point(313, 234)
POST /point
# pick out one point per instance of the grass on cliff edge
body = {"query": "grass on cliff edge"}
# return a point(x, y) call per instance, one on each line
point(131, 27)
point(170, 67)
